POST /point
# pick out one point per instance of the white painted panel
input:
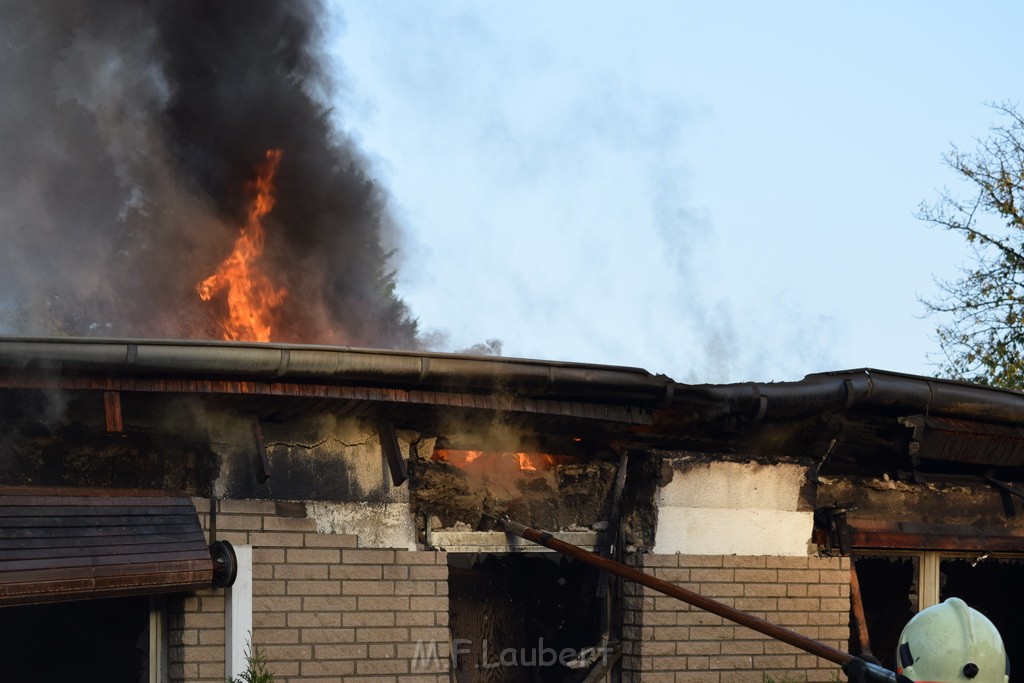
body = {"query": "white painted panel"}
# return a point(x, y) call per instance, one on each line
point(238, 614)
point(734, 508)
point(717, 531)
point(735, 485)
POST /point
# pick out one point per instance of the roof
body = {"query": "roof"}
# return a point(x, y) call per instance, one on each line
point(848, 414)
point(64, 544)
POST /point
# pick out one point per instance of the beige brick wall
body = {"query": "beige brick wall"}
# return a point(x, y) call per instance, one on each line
point(323, 608)
point(666, 640)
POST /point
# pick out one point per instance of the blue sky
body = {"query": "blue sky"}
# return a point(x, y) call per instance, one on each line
point(715, 191)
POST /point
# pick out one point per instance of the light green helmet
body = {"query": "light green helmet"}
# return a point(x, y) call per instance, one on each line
point(952, 643)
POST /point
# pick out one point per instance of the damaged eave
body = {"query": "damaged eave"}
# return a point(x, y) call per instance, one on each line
point(869, 390)
point(293, 363)
point(854, 416)
point(965, 441)
point(281, 379)
point(938, 512)
point(889, 535)
point(847, 414)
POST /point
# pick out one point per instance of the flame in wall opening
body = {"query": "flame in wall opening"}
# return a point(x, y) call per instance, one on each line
point(251, 296)
point(499, 460)
point(525, 463)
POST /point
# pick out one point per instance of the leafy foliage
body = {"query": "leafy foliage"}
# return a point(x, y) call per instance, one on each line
point(256, 670)
point(982, 312)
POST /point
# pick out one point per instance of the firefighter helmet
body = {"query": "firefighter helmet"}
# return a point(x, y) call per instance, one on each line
point(949, 643)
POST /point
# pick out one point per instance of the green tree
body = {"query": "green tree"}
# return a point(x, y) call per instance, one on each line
point(981, 312)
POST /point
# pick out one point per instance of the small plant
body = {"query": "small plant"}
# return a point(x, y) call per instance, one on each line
point(765, 678)
point(255, 667)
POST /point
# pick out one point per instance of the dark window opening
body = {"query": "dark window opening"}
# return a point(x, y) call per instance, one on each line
point(522, 618)
point(888, 587)
point(990, 586)
point(101, 641)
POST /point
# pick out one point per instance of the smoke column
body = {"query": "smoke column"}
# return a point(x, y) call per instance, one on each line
point(130, 132)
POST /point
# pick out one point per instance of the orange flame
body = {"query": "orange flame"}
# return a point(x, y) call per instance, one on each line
point(499, 460)
point(251, 296)
point(524, 462)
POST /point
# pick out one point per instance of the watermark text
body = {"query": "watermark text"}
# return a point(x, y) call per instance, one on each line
point(428, 655)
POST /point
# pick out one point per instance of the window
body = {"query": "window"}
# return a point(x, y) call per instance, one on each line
point(895, 586)
point(115, 640)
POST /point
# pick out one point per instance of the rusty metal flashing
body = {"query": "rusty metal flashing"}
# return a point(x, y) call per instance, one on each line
point(889, 535)
point(72, 544)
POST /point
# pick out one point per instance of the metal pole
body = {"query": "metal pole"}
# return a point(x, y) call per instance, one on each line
point(859, 618)
point(544, 538)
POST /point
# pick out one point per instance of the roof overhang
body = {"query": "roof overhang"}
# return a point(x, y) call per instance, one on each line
point(74, 544)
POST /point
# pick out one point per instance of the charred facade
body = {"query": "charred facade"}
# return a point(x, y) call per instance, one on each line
point(360, 487)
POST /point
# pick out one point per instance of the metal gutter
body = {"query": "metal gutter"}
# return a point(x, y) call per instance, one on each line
point(331, 365)
point(875, 390)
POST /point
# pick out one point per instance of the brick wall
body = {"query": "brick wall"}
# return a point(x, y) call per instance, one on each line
point(665, 640)
point(324, 609)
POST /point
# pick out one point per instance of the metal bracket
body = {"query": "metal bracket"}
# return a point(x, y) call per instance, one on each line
point(393, 452)
point(833, 519)
point(263, 467)
point(1005, 491)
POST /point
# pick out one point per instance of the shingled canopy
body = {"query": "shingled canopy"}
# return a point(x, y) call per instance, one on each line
point(73, 544)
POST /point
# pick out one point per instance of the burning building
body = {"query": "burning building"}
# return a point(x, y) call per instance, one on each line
point(346, 495)
point(168, 506)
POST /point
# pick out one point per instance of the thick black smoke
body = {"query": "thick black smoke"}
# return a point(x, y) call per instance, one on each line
point(130, 131)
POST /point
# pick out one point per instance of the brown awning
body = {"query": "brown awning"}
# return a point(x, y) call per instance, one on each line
point(72, 544)
point(890, 535)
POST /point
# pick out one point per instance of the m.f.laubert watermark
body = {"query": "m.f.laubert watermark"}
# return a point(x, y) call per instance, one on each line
point(426, 655)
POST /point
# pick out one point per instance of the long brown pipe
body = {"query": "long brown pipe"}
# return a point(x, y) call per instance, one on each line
point(793, 638)
point(861, 622)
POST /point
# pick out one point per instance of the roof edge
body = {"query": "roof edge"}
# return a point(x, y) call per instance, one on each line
point(876, 390)
point(274, 362)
